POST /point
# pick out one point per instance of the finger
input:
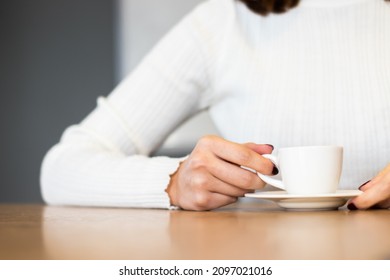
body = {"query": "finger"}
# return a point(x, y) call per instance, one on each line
point(234, 175)
point(384, 204)
point(210, 183)
point(260, 148)
point(227, 189)
point(219, 200)
point(367, 199)
point(240, 155)
point(210, 200)
point(384, 171)
point(365, 186)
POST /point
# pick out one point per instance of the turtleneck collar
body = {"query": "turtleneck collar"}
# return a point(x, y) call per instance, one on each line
point(328, 3)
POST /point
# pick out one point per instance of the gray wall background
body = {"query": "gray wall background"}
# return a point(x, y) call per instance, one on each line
point(56, 58)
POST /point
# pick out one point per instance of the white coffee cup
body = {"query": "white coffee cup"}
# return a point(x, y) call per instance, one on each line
point(307, 170)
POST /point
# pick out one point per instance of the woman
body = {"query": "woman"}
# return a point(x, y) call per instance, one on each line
point(316, 75)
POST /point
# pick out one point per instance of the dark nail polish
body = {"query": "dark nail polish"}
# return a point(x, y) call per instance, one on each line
point(275, 170)
point(352, 207)
point(364, 184)
point(270, 146)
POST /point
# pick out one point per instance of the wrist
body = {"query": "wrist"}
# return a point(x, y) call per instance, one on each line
point(171, 189)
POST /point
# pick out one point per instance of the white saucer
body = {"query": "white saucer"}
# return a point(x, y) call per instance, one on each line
point(297, 202)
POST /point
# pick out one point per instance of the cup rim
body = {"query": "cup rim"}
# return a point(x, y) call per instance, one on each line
point(312, 147)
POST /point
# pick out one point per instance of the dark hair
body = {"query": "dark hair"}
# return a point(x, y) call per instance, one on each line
point(264, 7)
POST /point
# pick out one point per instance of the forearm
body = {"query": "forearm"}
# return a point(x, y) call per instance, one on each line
point(92, 176)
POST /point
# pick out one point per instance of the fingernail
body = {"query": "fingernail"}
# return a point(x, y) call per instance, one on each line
point(272, 147)
point(352, 207)
point(275, 170)
point(364, 184)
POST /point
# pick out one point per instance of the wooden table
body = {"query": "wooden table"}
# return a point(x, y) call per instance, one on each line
point(245, 230)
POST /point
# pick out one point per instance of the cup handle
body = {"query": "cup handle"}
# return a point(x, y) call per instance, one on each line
point(268, 179)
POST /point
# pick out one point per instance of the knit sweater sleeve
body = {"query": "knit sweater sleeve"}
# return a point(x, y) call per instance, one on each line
point(104, 160)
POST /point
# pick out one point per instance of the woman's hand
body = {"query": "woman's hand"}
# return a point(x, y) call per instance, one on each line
point(211, 176)
point(376, 193)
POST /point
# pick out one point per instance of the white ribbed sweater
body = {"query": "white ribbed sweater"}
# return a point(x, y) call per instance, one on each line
point(319, 74)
